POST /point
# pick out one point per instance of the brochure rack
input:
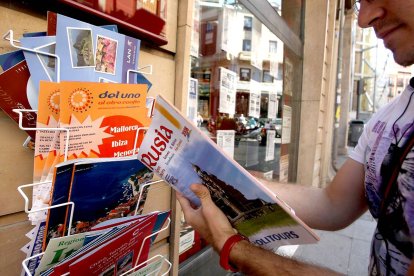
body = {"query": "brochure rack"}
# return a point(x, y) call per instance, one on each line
point(153, 265)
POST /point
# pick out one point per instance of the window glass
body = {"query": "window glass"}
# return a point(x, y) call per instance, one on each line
point(238, 65)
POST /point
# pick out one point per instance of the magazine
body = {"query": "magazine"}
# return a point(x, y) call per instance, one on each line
point(15, 93)
point(103, 118)
point(89, 52)
point(181, 154)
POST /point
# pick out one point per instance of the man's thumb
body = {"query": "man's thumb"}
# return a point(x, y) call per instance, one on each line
point(201, 192)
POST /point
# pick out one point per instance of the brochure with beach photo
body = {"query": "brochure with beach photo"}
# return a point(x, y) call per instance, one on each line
point(89, 53)
point(103, 189)
point(178, 152)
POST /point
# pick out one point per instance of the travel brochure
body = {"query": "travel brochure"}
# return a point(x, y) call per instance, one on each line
point(176, 151)
point(89, 52)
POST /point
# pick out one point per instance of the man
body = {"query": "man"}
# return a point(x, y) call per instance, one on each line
point(361, 183)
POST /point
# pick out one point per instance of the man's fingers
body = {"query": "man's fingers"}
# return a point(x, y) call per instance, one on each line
point(202, 193)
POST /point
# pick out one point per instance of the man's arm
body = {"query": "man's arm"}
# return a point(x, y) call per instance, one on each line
point(333, 207)
point(214, 226)
point(253, 260)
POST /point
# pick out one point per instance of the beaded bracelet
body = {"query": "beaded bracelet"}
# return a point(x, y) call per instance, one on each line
point(225, 251)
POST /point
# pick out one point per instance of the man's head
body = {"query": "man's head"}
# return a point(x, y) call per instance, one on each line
point(393, 22)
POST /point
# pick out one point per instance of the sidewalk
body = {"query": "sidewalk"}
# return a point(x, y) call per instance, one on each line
point(346, 251)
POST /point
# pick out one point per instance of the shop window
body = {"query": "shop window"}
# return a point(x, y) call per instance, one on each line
point(272, 47)
point(248, 22)
point(247, 45)
point(245, 74)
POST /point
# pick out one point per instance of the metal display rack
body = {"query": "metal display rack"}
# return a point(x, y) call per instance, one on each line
point(155, 264)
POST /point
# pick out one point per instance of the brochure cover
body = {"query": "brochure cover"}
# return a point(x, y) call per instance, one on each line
point(58, 248)
point(119, 254)
point(59, 194)
point(35, 247)
point(103, 118)
point(47, 117)
point(16, 92)
point(9, 59)
point(181, 154)
point(41, 66)
point(88, 52)
point(63, 265)
point(103, 189)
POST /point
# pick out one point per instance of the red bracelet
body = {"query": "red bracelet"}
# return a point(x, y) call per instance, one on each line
point(225, 251)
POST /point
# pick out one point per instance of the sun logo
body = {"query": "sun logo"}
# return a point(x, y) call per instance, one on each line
point(80, 100)
point(53, 101)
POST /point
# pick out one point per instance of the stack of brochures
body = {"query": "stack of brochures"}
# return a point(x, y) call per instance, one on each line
point(92, 113)
point(112, 247)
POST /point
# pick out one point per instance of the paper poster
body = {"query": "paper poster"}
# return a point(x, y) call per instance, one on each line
point(283, 168)
point(270, 145)
point(227, 91)
point(225, 140)
point(273, 106)
point(192, 100)
point(286, 124)
point(254, 101)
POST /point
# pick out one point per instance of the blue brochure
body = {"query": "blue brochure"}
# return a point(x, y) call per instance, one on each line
point(90, 53)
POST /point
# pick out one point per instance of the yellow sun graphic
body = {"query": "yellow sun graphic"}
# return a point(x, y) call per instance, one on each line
point(80, 100)
point(53, 101)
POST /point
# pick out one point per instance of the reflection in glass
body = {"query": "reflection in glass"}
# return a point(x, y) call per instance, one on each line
point(238, 64)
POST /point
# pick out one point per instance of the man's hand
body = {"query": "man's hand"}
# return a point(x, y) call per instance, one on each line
point(208, 219)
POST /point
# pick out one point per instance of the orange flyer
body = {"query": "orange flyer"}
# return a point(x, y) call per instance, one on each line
point(103, 118)
point(47, 117)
